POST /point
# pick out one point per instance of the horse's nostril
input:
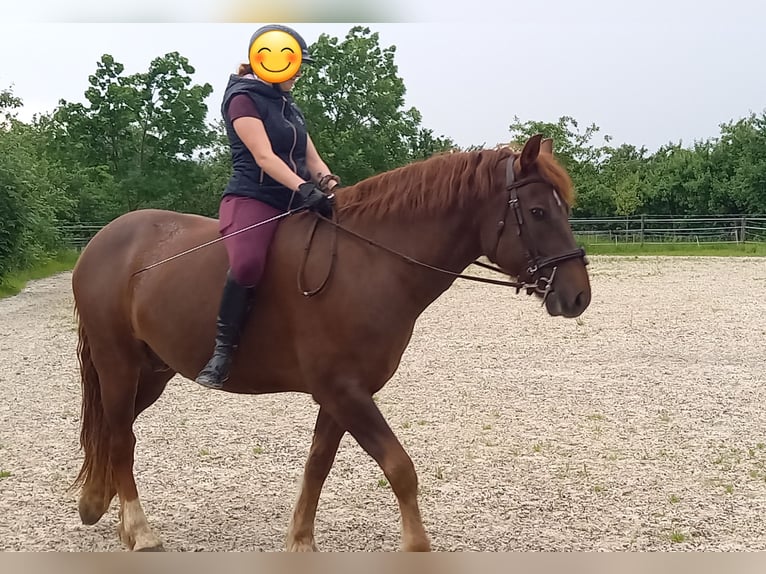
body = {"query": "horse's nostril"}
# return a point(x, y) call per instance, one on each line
point(578, 300)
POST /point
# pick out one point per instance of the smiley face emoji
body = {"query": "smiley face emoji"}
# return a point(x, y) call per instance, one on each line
point(275, 56)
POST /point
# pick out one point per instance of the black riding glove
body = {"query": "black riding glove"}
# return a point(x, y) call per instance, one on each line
point(315, 200)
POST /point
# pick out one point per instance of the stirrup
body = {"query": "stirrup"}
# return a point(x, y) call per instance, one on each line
point(210, 383)
point(207, 376)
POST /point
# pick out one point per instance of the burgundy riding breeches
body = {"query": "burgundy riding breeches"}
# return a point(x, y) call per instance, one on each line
point(247, 250)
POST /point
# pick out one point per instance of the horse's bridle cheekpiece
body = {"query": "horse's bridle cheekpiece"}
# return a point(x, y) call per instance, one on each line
point(535, 263)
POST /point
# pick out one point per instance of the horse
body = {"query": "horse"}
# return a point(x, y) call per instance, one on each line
point(332, 315)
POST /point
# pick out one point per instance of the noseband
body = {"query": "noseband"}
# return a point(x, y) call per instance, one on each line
point(535, 264)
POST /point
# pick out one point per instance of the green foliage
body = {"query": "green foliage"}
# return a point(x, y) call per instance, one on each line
point(134, 144)
point(59, 262)
point(30, 198)
point(582, 159)
point(353, 100)
point(739, 160)
point(139, 141)
point(722, 175)
point(681, 249)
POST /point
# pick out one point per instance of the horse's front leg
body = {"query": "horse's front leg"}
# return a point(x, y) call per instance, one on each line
point(354, 410)
point(327, 435)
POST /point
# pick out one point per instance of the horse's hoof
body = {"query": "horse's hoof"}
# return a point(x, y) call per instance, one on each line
point(89, 518)
point(303, 548)
point(307, 545)
point(158, 548)
point(90, 511)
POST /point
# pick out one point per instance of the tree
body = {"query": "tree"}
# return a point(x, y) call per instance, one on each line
point(31, 199)
point(738, 160)
point(142, 130)
point(573, 148)
point(621, 175)
point(8, 106)
point(353, 100)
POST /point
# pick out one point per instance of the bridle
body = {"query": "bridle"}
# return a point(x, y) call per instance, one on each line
point(535, 263)
point(540, 284)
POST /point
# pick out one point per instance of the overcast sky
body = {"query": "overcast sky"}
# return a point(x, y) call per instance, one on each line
point(646, 72)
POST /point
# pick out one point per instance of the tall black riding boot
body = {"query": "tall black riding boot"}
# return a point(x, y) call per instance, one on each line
point(231, 315)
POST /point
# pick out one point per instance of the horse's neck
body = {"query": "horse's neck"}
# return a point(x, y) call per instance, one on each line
point(448, 241)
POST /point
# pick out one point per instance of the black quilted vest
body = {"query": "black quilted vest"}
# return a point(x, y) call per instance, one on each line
point(286, 128)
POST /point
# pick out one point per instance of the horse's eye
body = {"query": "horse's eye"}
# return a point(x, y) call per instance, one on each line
point(537, 212)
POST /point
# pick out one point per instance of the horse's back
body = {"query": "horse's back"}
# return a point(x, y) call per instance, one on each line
point(141, 234)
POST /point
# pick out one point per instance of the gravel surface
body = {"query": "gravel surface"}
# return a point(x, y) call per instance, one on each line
point(639, 426)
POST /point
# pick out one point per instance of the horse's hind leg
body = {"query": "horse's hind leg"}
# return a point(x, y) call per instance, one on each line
point(353, 409)
point(99, 488)
point(134, 529)
point(128, 389)
point(327, 435)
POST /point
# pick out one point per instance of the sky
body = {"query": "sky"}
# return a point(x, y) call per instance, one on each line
point(647, 73)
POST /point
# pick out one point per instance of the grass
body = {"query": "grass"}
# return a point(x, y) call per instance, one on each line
point(14, 282)
point(677, 537)
point(685, 249)
point(5, 473)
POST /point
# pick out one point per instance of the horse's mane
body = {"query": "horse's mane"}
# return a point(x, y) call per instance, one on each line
point(445, 180)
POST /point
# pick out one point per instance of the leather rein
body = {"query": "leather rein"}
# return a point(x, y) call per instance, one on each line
point(542, 284)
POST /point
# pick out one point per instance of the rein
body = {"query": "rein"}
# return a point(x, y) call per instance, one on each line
point(542, 285)
point(535, 263)
point(518, 285)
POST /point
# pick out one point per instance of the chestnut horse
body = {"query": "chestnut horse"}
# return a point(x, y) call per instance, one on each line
point(397, 241)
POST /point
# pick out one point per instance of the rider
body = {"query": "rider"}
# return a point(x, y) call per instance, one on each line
point(275, 168)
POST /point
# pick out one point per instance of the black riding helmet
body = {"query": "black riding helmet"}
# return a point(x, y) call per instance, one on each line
point(305, 56)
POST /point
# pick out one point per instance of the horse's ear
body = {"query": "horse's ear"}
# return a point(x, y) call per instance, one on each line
point(546, 146)
point(530, 152)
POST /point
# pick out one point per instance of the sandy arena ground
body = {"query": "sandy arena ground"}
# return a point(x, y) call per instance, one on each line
point(639, 426)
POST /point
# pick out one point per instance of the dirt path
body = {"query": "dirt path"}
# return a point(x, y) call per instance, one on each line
point(640, 426)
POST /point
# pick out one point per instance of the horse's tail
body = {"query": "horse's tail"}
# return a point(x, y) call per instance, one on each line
point(94, 433)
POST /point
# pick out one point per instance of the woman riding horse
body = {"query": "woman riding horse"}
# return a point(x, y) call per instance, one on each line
point(276, 167)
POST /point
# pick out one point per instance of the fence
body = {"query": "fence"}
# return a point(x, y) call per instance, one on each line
point(77, 235)
point(665, 229)
point(594, 231)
